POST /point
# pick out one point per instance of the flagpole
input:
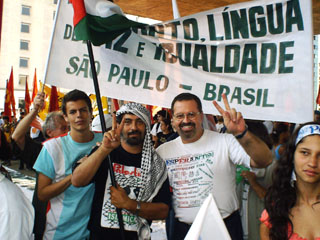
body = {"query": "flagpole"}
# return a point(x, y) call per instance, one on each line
point(104, 129)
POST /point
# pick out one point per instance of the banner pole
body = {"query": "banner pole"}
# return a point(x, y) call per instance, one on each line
point(103, 126)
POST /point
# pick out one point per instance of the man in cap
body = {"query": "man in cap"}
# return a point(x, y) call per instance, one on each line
point(96, 123)
point(142, 190)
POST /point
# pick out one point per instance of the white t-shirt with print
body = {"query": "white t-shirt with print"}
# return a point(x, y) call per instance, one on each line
point(202, 167)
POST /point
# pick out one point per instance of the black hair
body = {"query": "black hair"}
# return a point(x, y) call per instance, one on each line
point(163, 113)
point(281, 197)
point(167, 121)
point(73, 96)
point(187, 97)
point(260, 130)
point(279, 128)
point(5, 118)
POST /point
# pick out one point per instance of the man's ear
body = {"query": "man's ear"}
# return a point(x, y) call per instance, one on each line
point(49, 133)
point(65, 118)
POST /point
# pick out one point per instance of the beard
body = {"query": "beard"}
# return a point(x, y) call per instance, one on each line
point(135, 140)
point(187, 134)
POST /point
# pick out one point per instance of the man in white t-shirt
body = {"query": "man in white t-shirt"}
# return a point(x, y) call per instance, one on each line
point(200, 162)
point(16, 212)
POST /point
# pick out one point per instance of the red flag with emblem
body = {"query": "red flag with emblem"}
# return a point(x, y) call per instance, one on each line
point(54, 104)
point(10, 94)
point(35, 85)
point(27, 99)
point(7, 104)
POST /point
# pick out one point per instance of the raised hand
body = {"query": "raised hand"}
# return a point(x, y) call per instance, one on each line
point(232, 119)
point(38, 102)
point(111, 139)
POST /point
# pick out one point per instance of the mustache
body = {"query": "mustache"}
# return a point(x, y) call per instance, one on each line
point(186, 124)
point(134, 132)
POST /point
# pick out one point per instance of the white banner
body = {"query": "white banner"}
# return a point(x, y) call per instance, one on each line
point(260, 53)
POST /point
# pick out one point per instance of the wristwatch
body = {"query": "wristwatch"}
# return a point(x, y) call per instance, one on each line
point(138, 208)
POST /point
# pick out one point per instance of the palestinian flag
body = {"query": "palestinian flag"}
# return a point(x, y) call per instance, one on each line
point(99, 21)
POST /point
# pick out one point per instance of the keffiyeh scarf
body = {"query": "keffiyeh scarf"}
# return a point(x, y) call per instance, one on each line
point(153, 168)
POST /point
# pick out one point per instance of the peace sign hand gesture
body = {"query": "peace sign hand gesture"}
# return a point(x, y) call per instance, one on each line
point(111, 139)
point(232, 119)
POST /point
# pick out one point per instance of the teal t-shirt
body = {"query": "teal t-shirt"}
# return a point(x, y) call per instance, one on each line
point(69, 212)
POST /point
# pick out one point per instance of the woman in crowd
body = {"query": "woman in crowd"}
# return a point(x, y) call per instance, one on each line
point(280, 135)
point(293, 201)
point(166, 132)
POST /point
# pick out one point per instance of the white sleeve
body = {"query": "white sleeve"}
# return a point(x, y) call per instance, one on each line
point(154, 129)
point(236, 152)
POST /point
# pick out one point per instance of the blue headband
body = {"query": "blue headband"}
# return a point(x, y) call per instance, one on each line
point(307, 130)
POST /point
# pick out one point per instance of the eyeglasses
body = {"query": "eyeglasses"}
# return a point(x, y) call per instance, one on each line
point(190, 115)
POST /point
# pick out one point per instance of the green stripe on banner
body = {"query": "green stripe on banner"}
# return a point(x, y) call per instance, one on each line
point(185, 87)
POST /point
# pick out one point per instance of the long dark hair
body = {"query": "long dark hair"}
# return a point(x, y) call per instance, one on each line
point(282, 195)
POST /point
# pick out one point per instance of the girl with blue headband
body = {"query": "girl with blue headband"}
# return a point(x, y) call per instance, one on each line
point(293, 201)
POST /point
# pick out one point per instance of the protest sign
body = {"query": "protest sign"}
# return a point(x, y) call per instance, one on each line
point(258, 53)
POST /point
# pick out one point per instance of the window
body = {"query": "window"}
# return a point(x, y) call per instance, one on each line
point(24, 62)
point(24, 45)
point(25, 27)
point(22, 79)
point(25, 10)
point(21, 103)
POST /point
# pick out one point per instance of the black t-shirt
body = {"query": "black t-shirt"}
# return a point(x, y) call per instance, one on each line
point(30, 152)
point(162, 138)
point(120, 158)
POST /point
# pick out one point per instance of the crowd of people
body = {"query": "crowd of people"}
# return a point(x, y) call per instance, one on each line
point(264, 176)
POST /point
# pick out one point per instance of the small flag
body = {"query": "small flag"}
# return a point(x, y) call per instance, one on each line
point(27, 99)
point(208, 223)
point(10, 104)
point(115, 104)
point(35, 85)
point(99, 21)
point(11, 90)
point(53, 104)
point(37, 123)
point(7, 105)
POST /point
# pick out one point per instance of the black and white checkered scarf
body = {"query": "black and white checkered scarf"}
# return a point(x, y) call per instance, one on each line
point(153, 168)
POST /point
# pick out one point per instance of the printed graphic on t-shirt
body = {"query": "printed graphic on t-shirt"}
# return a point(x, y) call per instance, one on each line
point(129, 179)
point(191, 176)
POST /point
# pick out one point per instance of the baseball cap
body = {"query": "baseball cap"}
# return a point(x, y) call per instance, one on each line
point(96, 126)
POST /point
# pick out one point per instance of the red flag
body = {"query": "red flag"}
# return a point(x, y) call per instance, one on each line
point(27, 99)
point(54, 104)
point(7, 105)
point(10, 89)
point(318, 97)
point(35, 85)
point(115, 104)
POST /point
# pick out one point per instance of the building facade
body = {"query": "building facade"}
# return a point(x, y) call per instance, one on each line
point(26, 28)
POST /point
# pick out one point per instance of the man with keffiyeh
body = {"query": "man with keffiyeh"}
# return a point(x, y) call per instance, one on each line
point(142, 190)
